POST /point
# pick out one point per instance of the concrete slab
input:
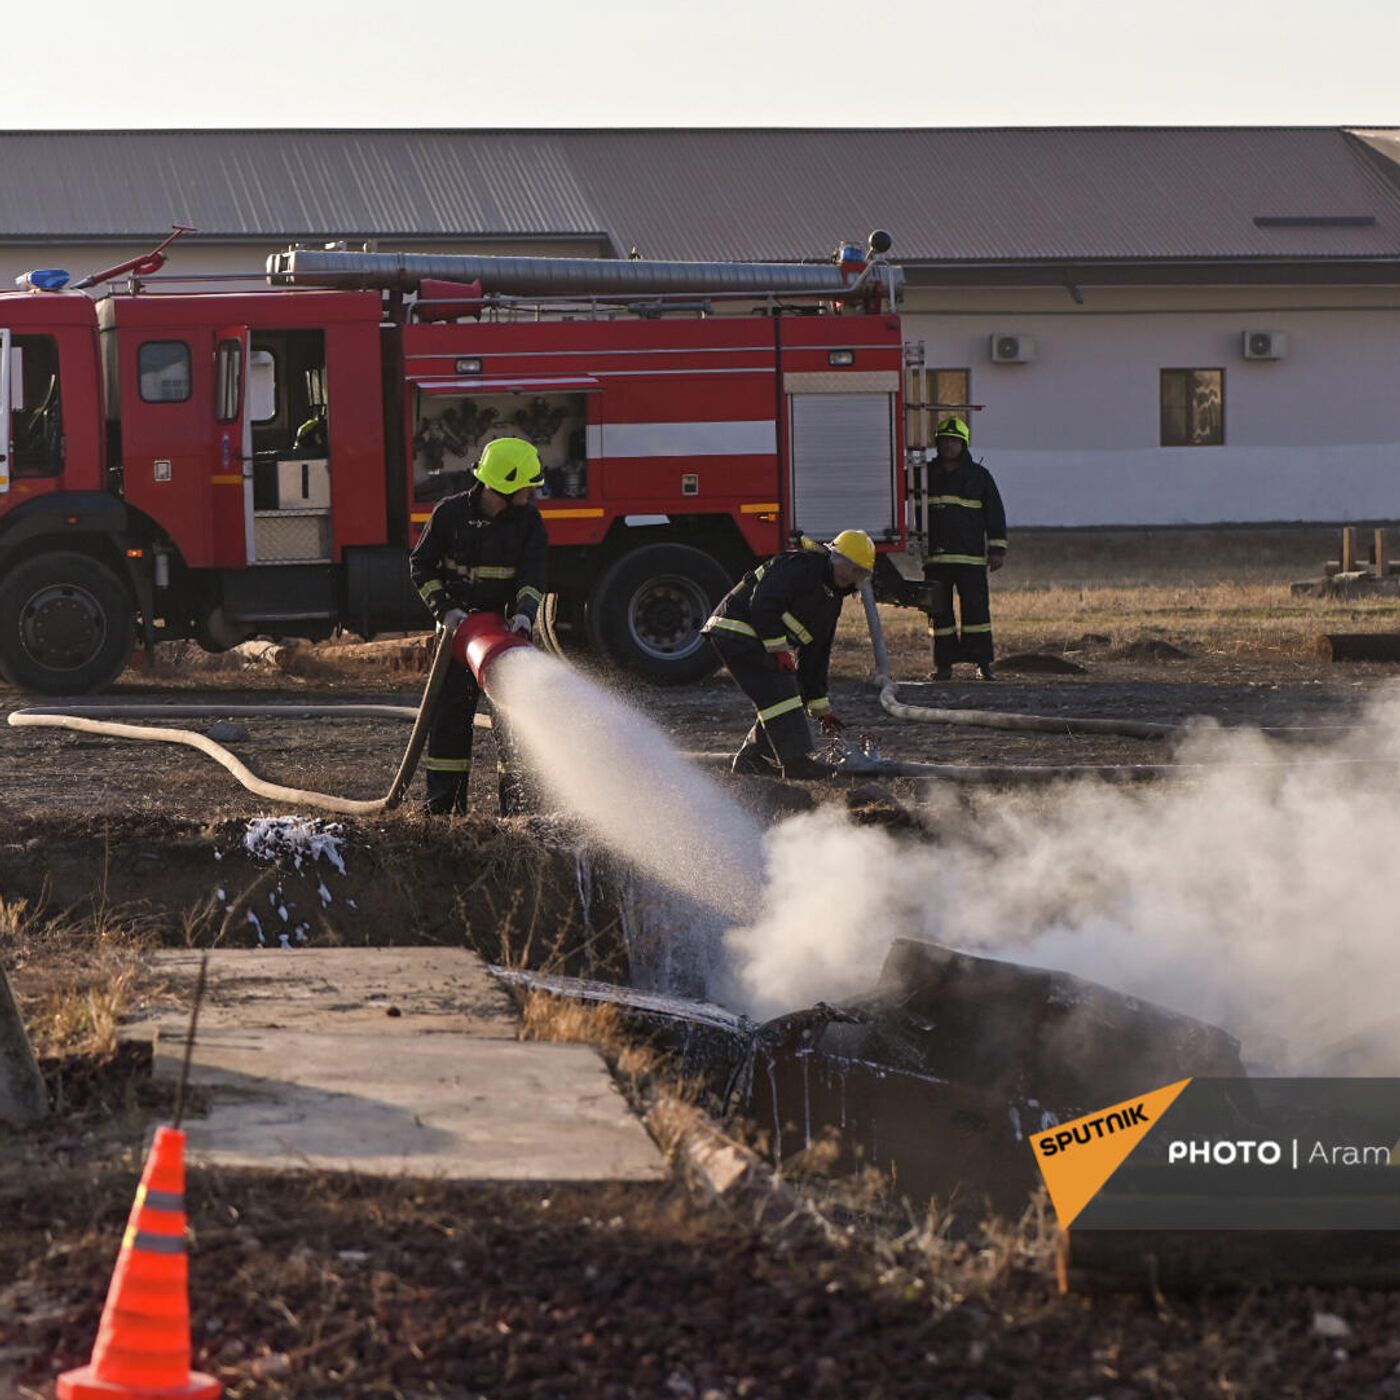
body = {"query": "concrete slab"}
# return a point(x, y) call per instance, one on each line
point(393, 989)
point(304, 1069)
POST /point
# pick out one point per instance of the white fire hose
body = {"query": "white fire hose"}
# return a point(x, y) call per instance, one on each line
point(91, 719)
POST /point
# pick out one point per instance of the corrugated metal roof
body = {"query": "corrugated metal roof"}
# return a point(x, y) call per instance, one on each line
point(997, 195)
point(285, 184)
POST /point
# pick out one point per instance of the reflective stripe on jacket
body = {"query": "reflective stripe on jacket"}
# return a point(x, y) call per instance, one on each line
point(465, 559)
point(967, 520)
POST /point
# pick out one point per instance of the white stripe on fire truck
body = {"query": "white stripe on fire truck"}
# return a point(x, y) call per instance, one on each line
point(740, 438)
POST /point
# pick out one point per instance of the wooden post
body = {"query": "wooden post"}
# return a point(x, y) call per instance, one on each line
point(23, 1098)
point(1379, 555)
point(1348, 548)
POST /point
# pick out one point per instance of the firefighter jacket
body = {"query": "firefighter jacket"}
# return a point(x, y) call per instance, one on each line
point(967, 520)
point(466, 559)
point(791, 601)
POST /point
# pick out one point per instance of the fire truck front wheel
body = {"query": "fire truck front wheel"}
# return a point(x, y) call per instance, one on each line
point(647, 611)
point(67, 624)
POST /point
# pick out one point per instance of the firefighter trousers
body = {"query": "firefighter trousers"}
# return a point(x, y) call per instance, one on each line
point(975, 615)
point(449, 761)
point(781, 731)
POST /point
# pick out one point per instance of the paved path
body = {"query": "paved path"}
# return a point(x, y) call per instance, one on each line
point(390, 1061)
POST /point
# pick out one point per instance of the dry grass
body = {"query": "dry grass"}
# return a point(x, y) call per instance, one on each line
point(75, 978)
point(1236, 620)
point(638, 1067)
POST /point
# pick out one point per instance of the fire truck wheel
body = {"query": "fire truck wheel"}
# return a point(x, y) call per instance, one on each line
point(67, 624)
point(647, 611)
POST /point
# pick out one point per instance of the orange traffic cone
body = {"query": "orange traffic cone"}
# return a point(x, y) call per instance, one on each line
point(143, 1341)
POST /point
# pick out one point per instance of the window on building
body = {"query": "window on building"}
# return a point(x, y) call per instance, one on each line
point(36, 410)
point(229, 377)
point(1193, 407)
point(163, 368)
point(942, 392)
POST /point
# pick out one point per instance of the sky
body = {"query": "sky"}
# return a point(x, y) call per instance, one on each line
point(570, 63)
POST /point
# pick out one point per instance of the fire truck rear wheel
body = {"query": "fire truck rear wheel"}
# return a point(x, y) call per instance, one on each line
point(647, 611)
point(67, 624)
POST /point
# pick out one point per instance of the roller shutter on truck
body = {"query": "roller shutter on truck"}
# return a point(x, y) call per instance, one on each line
point(843, 453)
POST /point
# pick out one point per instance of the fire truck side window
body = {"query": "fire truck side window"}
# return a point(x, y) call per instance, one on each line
point(163, 368)
point(229, 377)
point(451, 433)
point(36, 422)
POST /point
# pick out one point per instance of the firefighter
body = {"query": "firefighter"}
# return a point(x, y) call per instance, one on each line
point(483, 550)
point(967, 540)
point(791, 602)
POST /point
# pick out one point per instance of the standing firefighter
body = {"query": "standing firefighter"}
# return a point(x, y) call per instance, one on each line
point(483, 550)
point(792, 601)
point(967, 537)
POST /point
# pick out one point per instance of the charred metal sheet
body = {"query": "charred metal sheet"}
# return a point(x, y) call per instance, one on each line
point(939, 1074)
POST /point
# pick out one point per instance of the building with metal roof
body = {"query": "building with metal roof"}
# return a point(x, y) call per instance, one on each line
point(954, 196)
point(1199, 325)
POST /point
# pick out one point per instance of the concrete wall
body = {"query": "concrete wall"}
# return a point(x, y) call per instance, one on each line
point(1074, 438)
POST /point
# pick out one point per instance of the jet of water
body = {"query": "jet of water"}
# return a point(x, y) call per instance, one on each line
point(611, 766)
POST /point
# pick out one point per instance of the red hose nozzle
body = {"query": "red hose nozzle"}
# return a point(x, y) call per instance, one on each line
point(480, 638)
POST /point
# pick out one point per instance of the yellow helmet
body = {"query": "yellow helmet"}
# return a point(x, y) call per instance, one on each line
point(509, 465)
point(855, 547)
point(954, 427)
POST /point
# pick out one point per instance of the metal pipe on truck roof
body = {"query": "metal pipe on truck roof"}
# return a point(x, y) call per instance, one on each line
point(517, 276)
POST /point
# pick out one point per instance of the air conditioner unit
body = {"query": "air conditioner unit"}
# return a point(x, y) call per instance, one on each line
point(1009, 349)
point(1265, 345)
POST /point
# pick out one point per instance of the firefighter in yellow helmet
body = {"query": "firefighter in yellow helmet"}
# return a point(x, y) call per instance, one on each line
point(967, 540)
point(790, 604)
point(483, 550)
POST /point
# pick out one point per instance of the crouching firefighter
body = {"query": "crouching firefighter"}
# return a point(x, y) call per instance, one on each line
point(791, 602)
point(483, 550)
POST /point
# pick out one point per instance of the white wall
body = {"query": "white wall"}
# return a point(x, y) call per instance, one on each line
point(1074, 438)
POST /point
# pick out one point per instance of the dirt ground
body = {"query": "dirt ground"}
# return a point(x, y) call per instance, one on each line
point(1238, 654)
point(321, 1288)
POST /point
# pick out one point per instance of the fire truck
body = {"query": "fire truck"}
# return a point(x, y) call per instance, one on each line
point(225, 462)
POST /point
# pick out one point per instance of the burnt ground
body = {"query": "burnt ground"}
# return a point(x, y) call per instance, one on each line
point(324, 1287)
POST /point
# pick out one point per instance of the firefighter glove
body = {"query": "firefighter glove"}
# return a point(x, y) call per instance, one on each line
point(452, 619)
point(522, 624)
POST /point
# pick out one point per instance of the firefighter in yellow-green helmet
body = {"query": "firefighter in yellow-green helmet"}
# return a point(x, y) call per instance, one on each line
point(967, 541)
point(483, 550)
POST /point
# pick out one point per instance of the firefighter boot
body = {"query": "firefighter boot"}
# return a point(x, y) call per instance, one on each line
point(755, 756)
point(805, 768)
point(447, 794)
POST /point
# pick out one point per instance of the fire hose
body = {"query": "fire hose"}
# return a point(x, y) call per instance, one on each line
point(852, 760)
point(476, 643)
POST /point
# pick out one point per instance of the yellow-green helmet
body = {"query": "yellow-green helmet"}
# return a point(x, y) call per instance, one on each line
point(954, 427)
point(509, 465)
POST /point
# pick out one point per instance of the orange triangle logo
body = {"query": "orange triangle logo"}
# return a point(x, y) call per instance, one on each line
point(1077, 1158)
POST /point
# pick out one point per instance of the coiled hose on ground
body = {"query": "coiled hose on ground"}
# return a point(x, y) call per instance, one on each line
point(89, 719)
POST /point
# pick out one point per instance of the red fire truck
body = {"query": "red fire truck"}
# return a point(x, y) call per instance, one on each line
point(223, 463)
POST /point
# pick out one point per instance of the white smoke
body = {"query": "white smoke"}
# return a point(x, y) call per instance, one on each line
point(1255, 895)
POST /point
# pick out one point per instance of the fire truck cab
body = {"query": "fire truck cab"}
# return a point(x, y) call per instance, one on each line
point(218, 465)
